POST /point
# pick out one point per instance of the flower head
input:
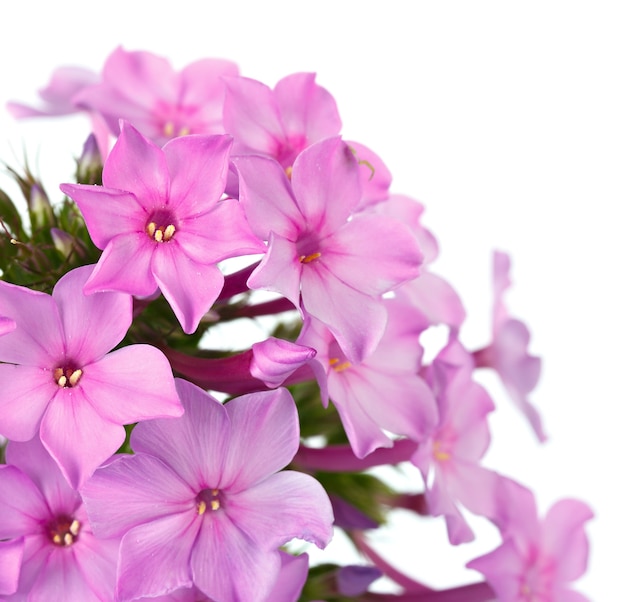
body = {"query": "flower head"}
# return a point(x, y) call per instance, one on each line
point(159, 211)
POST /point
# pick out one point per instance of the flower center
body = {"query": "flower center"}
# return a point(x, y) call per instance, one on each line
point(209, 499)
point(441, 451)
point(161, 226)
point(63, 531)
point(171, 130)
point(67, 377)
point(337, 365)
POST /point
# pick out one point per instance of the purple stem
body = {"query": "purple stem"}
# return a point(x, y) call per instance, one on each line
point(235, 283)
point(340, 458)
point(473, 592)
point(275, 306)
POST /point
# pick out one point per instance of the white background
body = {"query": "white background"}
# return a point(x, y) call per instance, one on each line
point(507, 119)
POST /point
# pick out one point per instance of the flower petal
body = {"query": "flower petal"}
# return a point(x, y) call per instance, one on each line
point(112, 271)
point(189, 287)
point(131, 384)
point(26, 392)
point(198, 166)
point(137, 165)
point(183, 443)
point(154, 557)
point(71, 423)
point(285, 505)
point(265, 437)
point(93, 324)
point(23, 506)
point(37, 339)
point(134, 490)
point(11, 553)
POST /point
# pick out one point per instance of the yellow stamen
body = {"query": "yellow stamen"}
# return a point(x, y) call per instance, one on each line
point(168, 129)
point(289, 171)
point(62, 381)
point(75, 377)
point(439, 453)
point(169, 232)
point(215, 505)
point(150, 229)
point(309, 258)
point(184, 131)
point(56, 538)
point(158, 235)
point(340, 367)
point(74, 527)
point(68, 540)
point(201, 507)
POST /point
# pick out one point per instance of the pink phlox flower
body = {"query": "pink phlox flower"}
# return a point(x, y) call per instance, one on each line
point(159, 211)
point(294, 571)
point(59, 94)
point(62, 560)
point(333, 264)
point(508, 352)
point(59, 380)
point(209, 483)
point(279, 123)
point(430, 293)
point(382, 394)
point(160, 102)
point(538, 559)
point(449, 459)
point(274, 360)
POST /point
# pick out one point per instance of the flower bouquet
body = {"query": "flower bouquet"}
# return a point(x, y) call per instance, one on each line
point(152, 451)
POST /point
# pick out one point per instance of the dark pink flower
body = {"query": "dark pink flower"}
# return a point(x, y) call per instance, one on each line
point(208, 482)
point(538, 559)
point(62, 560)
point(332, 263)
point(161, 103)
point(508, 352)
point(159, 211)
point(59, 380)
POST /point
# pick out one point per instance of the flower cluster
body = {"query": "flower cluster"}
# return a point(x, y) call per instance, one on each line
point(139, 462)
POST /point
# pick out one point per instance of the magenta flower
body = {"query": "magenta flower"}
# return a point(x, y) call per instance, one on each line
point(538, 559)
point(333, 264)
point(159, 211)
point(209, 482)
point(383, 394)
point(62, 560)
point(508, 353)
point(449, 459)
point(144, 89)
point(60, 381)
point(282, 122)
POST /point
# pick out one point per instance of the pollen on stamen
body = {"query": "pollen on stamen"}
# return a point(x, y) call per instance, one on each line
point(439, 453)
point(168, 129)
point(338, 366)
point(309, 258)
point(289, 171)
point(150, 229)
point(75, 377)
point(169, 232)
point(74, 527)
point(201, 507)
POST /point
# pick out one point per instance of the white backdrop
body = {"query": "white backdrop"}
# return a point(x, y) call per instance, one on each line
point(508, 120)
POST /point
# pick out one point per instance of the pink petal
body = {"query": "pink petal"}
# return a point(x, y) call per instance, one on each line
point(134, 490)
point(326, 185)
point(228, 566)
point(7, 325)
point(71, 423)
point(221, 232)
point(274, 360)
point(265, 437)
point(306, 108)
point(565, 539)
point(97, 561)
point(197, 167)
point(32, 458)
point(372, 254)
point(374, 175)
point(356, 320)
point(38, 336)
point(266, 195)
point(107, 212)
point(149, 565)
point(189, 287)
point(131, 384)
point(251, 115)
point(23, 506)
point(61, 579)
point(137, 165)
point(26, 392)
point(93, 324)
point(279, 270)
point(202, 85)
point(183, 443)
point(11, 553)
point(285, 505)
point(112, 271)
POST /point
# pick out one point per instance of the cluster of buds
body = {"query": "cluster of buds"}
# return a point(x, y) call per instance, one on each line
point(141, 463)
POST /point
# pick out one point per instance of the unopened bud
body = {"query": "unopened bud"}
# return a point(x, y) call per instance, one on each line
point(39, 208)
point(89, 166)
